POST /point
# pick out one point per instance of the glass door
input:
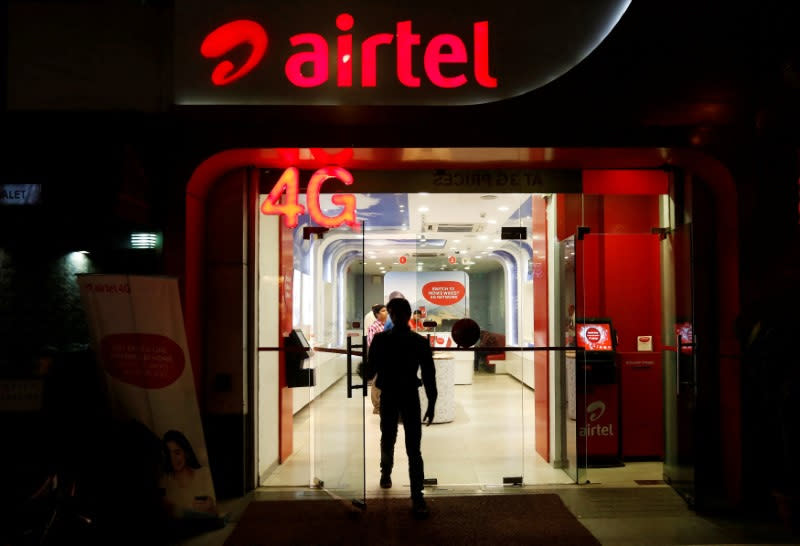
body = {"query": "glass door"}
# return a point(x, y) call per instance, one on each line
point(472, 259)
point(565, 258)
point(333, 315)
point(679, 361)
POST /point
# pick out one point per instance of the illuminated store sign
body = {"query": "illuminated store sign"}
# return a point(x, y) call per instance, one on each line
point(415, 52)
point(311, 68)
point(288, 185)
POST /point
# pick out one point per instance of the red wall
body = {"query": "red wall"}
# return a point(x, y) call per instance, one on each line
point(619, 277)
point(618, 263)
point(541, 373)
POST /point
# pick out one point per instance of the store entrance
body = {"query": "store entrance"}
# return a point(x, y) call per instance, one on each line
point(514, 408)
point(453, 256)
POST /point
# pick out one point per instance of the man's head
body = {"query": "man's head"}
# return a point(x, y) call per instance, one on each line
point(380, 312)
point(395, 294)
point(417, 314)
point(400, 310)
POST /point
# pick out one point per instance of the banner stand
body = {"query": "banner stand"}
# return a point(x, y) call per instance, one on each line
point(138, 336)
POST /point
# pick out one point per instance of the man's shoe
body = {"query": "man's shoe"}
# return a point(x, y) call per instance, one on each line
point(419, 508)
point(386, 481)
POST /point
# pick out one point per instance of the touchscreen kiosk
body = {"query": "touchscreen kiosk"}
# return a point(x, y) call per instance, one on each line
point(595, 336)
point(598, 408)
point(298, 350)
point(684, 336)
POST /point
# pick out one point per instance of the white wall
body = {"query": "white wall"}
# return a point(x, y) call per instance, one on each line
point(268, 328)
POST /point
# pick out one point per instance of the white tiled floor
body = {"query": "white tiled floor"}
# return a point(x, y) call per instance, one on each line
point(490, 438)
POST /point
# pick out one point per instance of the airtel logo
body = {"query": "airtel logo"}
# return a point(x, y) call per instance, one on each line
point(595, 410)
point(311, 68)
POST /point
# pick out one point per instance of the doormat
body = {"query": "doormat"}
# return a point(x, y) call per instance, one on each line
point(480, 519)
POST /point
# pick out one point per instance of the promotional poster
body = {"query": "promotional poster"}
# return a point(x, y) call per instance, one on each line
point(137, 330)
point(440, 296)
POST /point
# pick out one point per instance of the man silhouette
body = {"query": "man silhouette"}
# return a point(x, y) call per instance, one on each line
point(395, 356)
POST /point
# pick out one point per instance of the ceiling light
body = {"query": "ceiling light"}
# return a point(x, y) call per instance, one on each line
point(423, 209)
point(423, 193)
point(466, 267)
point(492, 221)
point(502, 208)
point(456, 240)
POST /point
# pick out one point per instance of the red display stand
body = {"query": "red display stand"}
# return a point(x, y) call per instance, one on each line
point(642, 400)
point(598, 418)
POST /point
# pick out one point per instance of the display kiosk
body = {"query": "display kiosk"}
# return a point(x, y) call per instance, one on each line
point(597, 385)
point(298, 350)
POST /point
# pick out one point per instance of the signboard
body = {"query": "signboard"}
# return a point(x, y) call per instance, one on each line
point(440, 295)
point(137, 330)
point(448, 52)
point(20, 194)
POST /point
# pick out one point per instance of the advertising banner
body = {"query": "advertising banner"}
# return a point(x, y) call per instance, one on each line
point(137, 330)
point(440, 296)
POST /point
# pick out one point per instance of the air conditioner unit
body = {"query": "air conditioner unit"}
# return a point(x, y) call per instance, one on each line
point(454, 228)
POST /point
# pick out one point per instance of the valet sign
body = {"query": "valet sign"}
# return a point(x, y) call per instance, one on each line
point(366, 53)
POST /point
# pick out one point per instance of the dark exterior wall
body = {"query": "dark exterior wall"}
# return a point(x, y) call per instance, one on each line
point(89, 87)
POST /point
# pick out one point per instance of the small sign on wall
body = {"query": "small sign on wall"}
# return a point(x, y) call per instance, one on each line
point(644, 343)
point(20, 194)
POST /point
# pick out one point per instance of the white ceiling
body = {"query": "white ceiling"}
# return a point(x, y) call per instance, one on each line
point(470, 250)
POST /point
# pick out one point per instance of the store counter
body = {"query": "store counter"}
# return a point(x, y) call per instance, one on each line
point(464, 360)
point(445, 410)
point(642, 404)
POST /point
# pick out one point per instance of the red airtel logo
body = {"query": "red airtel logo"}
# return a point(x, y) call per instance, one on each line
point(441, 50)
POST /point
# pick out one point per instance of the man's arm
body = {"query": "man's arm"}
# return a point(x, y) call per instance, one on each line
point(428, 378)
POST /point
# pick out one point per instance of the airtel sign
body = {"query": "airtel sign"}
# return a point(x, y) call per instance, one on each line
point(446, 52)
point(442, 49)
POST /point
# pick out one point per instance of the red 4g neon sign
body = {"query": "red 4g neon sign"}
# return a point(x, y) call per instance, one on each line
point(289, 185)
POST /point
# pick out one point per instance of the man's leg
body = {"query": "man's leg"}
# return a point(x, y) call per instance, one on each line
point(389, 413)
point(412, 425)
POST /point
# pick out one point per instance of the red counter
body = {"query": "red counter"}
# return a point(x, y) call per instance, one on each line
point(642, 400)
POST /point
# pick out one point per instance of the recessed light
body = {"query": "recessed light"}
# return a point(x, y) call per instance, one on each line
point(423, 209)
point(492, 221)
point(502, 208)
point(456, 240)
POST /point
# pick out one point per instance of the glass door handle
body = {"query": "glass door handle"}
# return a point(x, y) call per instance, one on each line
point(363, 385)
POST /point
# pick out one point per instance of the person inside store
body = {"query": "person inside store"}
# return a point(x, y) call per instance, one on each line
point(416, 321)
point(394, 359)
point(394, 294)
point(187, 484)
point(381, 315)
